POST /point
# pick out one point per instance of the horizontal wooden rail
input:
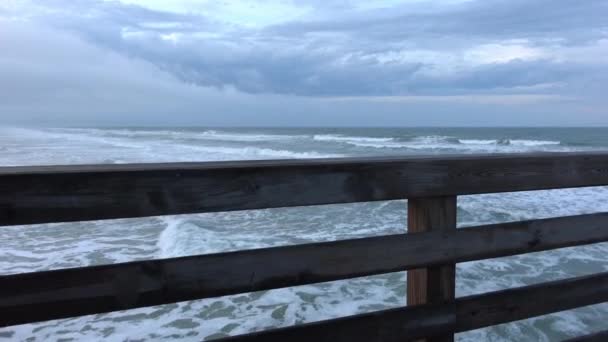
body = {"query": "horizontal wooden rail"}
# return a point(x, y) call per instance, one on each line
point(462, 314)
point(30, 195)
point(33, 297)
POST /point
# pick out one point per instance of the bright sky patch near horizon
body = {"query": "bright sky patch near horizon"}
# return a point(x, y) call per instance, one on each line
point(304, 63)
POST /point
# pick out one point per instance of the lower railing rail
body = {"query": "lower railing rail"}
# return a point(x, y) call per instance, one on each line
point(461, 314)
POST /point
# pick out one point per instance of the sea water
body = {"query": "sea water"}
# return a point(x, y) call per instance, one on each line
point(64, 245)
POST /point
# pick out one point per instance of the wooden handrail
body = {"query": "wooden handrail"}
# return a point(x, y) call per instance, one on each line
point(30, 195)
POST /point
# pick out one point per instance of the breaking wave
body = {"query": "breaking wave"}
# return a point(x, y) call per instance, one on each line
point(506, 142)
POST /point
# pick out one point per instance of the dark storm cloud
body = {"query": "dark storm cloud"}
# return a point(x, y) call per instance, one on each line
point(339, 56)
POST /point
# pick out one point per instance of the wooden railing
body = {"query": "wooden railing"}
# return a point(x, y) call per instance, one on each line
point(429, 251)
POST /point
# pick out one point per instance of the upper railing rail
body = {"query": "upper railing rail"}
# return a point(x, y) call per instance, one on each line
point(30, 195)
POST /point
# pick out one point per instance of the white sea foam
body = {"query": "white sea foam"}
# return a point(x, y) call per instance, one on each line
point(436, 143)
point(215, 135)
point(73, 146)
point(349, 139)
point(183, 237)
point(388, 144)
point(180, 134)
point(516, 142)
point(533, 142)
point(256, 153)
point(478, 141)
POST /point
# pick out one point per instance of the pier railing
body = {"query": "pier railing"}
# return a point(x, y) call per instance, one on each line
point(428, 251)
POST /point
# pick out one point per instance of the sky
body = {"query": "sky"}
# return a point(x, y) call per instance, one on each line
point(304, 63)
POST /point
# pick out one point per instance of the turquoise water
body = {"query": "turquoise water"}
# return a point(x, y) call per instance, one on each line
point(43, 247)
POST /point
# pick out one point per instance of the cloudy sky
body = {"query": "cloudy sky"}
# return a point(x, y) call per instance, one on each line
point(299, 62)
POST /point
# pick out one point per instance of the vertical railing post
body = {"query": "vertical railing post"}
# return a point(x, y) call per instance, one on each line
point(434, 284)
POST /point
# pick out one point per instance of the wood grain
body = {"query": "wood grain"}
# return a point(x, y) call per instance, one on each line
point(30, 195)
point(433, 285)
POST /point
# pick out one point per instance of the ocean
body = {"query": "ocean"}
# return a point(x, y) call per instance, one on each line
point(63, 245)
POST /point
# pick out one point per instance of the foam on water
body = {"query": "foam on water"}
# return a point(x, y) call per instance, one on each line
point(70, 146)
point(180, 134)
point(517, 142)
point(448, 144)
point(215, 135)
point(478, 141)
point(43, 247)
point(334, 137)
point(66, 245)
point(533, 142)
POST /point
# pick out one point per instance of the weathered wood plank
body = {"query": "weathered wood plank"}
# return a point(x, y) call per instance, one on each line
point(601, 336)
point(397, 325)
point(33, 297)
point(433, 285)
point(511, 305)
point(30, 195)
point(466, 313)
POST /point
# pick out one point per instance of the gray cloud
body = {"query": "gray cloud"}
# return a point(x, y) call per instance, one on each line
point(474, 19)
point(339, 56)
point(108, 57)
